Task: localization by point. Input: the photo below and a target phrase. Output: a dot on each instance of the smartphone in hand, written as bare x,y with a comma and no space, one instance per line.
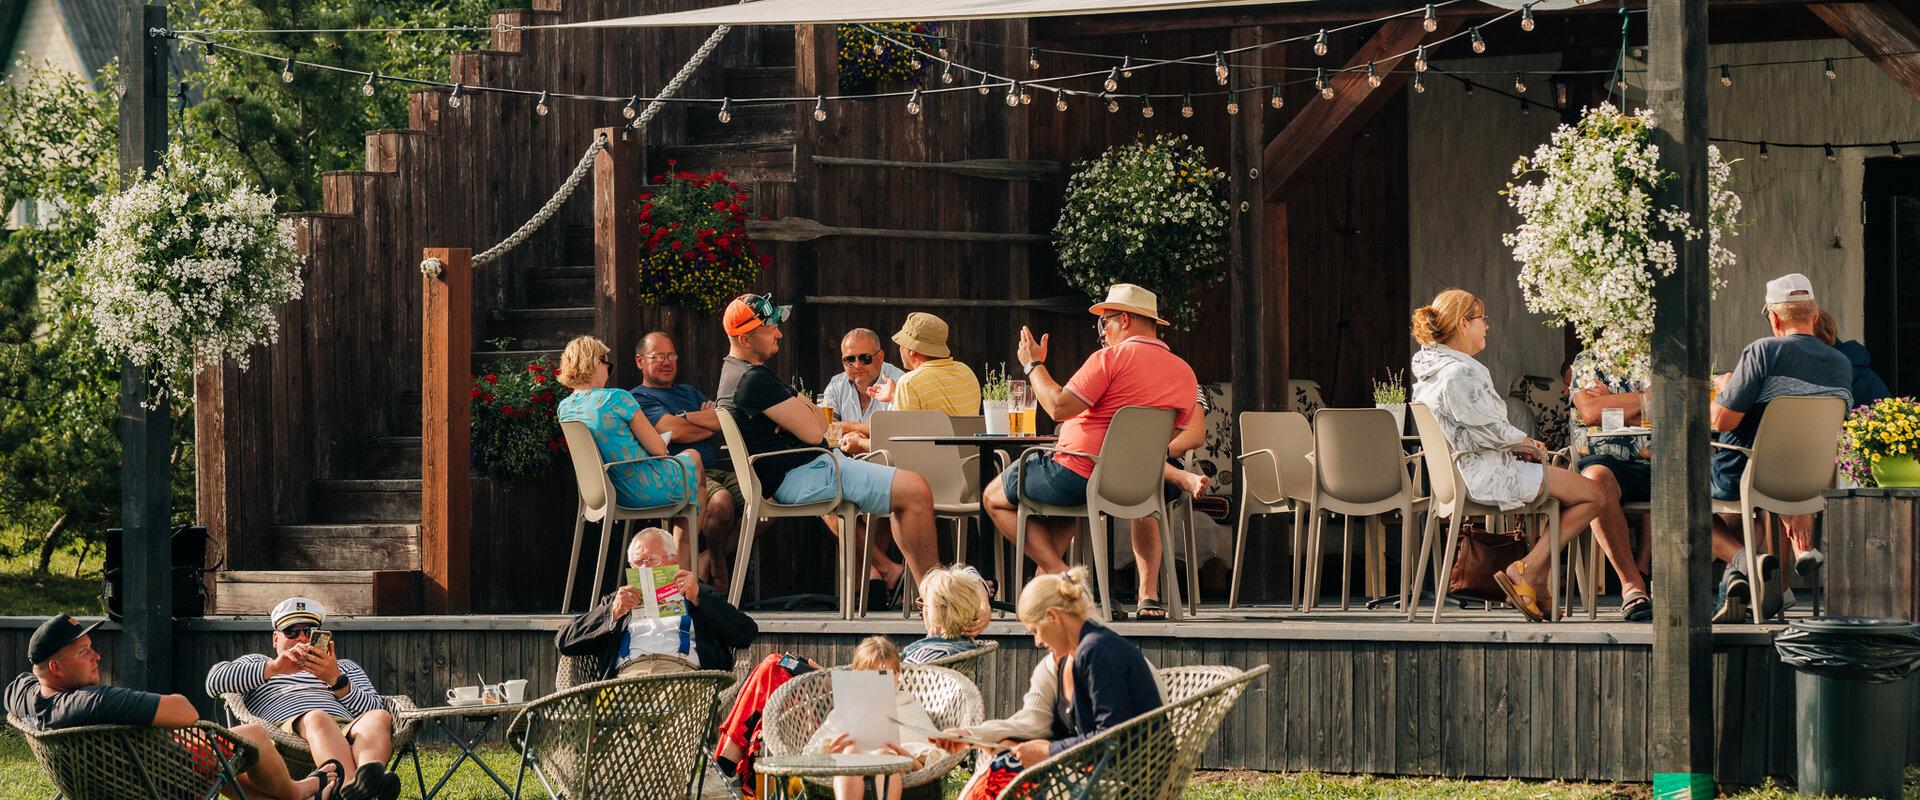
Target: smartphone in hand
322,640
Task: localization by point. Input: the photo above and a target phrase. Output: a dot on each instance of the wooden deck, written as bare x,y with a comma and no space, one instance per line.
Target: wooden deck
1484,694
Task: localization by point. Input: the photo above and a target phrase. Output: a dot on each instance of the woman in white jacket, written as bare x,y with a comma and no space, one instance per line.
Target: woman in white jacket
1501,465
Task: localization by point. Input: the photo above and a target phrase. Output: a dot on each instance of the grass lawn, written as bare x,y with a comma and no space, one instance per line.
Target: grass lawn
21,779
22,594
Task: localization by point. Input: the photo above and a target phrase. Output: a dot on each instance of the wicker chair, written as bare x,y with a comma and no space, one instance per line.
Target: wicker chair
622,739
1180,683
800,705
115,762
967,663
1150,757
293,747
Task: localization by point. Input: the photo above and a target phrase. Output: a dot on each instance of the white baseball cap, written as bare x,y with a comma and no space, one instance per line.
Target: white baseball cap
1788,288
299,609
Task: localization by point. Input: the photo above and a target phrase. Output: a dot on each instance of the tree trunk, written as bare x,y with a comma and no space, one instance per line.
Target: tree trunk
81,562
47,546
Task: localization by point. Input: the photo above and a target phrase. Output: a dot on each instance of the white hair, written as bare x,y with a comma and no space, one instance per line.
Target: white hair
665,537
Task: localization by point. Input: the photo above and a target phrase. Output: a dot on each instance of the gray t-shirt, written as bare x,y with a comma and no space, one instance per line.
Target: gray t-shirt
1795,365
92,705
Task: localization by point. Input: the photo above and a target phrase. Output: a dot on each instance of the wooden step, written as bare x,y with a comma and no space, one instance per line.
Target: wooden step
743,162
748,123
760,82
560,287
365,500
343,592
390,456
541,328
347,547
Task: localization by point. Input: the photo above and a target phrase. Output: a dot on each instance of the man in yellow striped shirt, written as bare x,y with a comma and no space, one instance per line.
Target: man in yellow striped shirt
934,381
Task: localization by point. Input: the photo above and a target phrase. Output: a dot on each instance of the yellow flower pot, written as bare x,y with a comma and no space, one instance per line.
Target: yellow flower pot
1896,471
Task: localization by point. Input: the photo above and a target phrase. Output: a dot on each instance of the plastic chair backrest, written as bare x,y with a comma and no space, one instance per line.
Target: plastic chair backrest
938,464
1437,453
1357,454
968,424
1290,437
737,449
1129,472
1795,447
588,470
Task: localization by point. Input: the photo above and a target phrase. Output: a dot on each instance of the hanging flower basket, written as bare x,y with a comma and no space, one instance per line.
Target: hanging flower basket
1589,243
515,433
695,252
867,60
186,270
1150,213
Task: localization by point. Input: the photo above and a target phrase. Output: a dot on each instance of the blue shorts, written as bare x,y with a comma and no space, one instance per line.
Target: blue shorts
867,484
1044,481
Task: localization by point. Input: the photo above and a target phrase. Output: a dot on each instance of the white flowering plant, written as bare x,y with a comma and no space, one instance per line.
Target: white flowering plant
1590,244
1151,213
186,269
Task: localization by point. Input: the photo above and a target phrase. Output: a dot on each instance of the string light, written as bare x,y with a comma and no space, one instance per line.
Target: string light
1113,104
1126,66
1059,101
1033,59
1431,22
1026,96
540,106
984,88
915,63
1831,73
1764,154
726,110
913,102
1275,100
1420,59
819,109
1418,87
212,56
1520,82
1830,153
1233,103
1894,150
1013,94
1220,67
1526,18
1321,85
879,46
1479,44
1373,76
1113,80
1186,107
1320,43
943,49
946,73
454,101
1726,76
1469,88
1146,107
633,107
286,70
366,89
1526,108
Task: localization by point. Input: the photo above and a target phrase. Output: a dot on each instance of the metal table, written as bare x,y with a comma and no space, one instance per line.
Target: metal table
780,777
450,720
988,467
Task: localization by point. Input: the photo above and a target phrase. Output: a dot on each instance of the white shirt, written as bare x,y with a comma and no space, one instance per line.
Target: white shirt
657,636
844,398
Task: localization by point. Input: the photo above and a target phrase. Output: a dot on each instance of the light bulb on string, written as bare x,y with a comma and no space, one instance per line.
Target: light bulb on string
454,100
1113,80
1893,149
1126,66
983,87
1275,100
1520,82
632,110
1059,101
286,70
1026,96
1320,83
1220,67
943,48
212,56
1526,18
1418,87
1013,94
915,63
819,109
1831,73
1726,76
1320,43
913,102
1146,107
946,73
1420,59
1033,59
1373,76
1430,22
1831,156
1479,44
1526,108
1233,103
879,46
366,89
1113,104
1469,85
1186,107
540,106
726,110
1765,155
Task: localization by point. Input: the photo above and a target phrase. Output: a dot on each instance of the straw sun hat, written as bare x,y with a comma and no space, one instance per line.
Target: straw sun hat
1130,298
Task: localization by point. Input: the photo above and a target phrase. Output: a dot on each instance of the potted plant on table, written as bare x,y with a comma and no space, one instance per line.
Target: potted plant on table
996,396
1391,395
1884,439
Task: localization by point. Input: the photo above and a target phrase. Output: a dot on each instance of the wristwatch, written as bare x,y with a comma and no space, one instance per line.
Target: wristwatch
339,684
1032,365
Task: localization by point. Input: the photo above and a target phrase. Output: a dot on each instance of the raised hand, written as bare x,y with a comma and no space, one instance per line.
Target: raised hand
1029,350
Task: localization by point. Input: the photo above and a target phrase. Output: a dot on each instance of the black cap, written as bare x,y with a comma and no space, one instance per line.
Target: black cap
54,634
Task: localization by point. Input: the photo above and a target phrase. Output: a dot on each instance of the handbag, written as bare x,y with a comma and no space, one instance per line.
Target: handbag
1479,555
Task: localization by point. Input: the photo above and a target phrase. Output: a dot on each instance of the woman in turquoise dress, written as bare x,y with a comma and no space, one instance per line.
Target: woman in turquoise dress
623,433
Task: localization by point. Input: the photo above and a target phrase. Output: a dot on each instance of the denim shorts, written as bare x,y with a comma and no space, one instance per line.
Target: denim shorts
1044,481
867,484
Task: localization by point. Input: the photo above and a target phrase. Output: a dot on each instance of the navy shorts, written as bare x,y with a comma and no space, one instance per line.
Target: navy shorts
1635,475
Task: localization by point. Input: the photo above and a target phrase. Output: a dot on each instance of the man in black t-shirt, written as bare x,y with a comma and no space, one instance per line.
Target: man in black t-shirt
64,691
772,418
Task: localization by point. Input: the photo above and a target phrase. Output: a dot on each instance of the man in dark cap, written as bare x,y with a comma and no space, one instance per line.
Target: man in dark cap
64,691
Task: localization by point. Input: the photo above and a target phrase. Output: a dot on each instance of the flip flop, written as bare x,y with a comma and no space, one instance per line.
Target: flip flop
1637,608
1150,610
328,778
1520,594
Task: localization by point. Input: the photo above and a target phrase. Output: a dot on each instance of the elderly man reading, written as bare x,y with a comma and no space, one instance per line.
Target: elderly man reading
311,693
628,644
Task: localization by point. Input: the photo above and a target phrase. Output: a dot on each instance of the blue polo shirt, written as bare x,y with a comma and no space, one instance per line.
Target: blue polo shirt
681,399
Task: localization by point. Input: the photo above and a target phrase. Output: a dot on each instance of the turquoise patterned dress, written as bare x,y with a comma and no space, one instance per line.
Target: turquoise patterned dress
608,413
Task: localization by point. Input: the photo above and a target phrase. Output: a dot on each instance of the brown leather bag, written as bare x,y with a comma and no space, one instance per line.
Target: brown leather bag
1481,553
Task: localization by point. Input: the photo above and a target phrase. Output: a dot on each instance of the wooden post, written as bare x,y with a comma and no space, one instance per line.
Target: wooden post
146,476
616,250
446,430
1682,726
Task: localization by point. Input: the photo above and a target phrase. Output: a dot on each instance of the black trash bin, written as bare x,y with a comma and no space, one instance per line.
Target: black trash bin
1852,702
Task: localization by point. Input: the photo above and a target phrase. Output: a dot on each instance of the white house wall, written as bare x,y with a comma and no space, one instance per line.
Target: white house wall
43,38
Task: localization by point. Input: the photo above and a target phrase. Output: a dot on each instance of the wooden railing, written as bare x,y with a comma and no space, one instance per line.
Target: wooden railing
446,429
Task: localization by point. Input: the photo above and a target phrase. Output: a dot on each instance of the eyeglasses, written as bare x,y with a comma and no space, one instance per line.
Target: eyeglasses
864,358
603,360
1100,326
298,631
652,561
663,357
1477,316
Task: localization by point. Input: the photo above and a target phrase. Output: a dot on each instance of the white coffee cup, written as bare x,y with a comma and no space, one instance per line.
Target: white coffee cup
515,690
463,694
1613,419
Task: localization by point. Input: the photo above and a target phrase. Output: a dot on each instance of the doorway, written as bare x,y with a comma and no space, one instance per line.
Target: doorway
1891,204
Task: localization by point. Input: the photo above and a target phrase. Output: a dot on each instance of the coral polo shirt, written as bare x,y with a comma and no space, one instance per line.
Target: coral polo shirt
1141,371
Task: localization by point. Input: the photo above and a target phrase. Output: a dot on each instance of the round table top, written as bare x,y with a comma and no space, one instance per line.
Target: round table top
1597,432
475,710
833,765
963,440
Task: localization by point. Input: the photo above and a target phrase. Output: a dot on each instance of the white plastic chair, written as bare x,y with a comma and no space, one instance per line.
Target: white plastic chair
955,498
1359,469
1277,478
599,503
1790,462
761,507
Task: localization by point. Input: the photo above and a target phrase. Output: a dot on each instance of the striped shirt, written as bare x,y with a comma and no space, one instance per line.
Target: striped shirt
284,697
942,385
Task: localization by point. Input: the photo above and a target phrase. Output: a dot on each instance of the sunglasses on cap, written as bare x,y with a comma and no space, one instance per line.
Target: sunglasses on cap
863,358
298,631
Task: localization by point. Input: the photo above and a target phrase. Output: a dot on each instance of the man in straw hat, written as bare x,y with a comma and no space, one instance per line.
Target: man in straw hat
1134,368
934,382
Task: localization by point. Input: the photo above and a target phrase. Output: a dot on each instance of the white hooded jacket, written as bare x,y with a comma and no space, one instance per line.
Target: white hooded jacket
1460,391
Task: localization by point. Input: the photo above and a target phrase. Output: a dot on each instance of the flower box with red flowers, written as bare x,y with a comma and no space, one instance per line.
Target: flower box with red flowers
695,251
515,434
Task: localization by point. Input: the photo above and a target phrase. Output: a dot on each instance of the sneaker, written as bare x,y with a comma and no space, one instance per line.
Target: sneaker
1730,604
1787,599
1809,562
1771,603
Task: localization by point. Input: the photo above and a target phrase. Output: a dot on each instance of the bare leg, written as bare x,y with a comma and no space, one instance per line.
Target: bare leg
1188,482
1726,539
1799,529
1146,555
372,738
718,529
1046,542
846,788
913,513
1610,528
1580,501
328,743
269,778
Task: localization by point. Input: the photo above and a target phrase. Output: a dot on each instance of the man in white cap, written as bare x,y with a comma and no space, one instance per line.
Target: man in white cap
310,693
1135,368
1793,362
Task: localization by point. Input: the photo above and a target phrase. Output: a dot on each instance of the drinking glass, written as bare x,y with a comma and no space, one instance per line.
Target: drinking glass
1613,419
1019,393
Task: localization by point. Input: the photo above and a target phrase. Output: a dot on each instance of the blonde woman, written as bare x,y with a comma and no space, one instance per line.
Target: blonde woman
1501,465
1101,678
623,434
879,653
953,604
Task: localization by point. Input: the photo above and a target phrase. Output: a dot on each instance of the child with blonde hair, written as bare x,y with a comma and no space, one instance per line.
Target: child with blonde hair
879,653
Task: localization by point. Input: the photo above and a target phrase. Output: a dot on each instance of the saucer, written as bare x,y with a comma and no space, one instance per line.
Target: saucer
459,703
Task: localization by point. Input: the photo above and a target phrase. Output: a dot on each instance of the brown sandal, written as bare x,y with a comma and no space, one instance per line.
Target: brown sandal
1520,594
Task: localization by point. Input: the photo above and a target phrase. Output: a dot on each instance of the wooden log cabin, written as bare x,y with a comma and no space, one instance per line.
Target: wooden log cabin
1346,212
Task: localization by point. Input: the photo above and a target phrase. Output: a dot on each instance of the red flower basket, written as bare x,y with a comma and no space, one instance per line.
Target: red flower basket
695,252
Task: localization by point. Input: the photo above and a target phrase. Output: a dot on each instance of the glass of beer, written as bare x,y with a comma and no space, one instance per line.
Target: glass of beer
1028,425
826,414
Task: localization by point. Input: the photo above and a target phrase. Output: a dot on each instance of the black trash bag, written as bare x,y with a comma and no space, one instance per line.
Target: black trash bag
1860,655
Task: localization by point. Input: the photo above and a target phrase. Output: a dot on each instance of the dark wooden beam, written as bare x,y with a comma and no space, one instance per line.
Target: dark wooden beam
616,247
1681,731
1884,32
146,424
1354,102
797,229
1006,169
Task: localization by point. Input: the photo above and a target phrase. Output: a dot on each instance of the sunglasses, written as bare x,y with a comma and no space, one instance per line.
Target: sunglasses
298,631
864,358
664,357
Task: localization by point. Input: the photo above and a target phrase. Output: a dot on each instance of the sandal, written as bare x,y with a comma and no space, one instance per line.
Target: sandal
1520,594
328,778
1637,607
1150,610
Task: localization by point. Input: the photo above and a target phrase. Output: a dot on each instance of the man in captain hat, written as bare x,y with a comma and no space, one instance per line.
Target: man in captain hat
310,693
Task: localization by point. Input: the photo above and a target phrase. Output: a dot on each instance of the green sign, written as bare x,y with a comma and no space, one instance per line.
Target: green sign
1682,786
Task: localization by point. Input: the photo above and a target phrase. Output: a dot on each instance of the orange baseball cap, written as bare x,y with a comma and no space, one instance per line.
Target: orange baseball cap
750,311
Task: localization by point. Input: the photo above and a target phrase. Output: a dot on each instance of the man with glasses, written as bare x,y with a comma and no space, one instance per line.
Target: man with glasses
863,364
308,692
934,381
628,644
687,413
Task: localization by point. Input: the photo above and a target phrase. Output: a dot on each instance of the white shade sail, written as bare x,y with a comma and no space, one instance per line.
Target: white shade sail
811,12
